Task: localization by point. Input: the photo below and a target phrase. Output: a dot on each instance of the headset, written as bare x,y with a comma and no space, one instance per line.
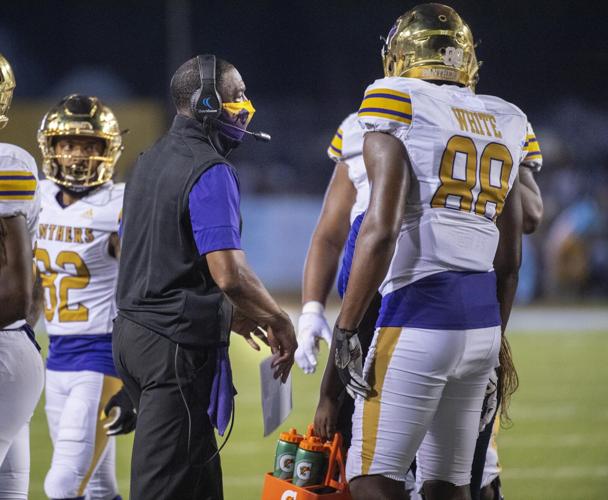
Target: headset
206,102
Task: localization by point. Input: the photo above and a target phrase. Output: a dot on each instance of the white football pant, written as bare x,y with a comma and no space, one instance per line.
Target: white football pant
83,455
427,391
21,381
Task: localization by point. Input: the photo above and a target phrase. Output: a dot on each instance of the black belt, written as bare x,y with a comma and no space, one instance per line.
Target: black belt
29,331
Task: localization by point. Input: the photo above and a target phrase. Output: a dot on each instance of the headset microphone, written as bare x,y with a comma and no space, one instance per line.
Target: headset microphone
258,136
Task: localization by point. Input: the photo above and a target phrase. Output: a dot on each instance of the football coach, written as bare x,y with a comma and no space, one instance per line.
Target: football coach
184,284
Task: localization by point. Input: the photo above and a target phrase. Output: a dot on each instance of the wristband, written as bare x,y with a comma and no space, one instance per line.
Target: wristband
312,306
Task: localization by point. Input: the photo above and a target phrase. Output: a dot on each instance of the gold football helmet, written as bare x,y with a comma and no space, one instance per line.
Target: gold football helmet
7,85
80,117
431,42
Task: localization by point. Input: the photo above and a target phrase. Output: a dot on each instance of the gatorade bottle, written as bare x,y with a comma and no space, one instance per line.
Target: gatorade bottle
285,456
310,462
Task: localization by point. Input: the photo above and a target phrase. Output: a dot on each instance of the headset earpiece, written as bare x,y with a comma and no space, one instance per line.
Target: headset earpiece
206,101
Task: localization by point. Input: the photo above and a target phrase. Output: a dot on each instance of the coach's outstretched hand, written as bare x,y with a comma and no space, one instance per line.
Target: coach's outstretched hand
248,329
348,359
121,413
283,344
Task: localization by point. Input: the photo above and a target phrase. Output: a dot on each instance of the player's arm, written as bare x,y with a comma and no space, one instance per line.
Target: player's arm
114,246
231,272
16,279
508,254
387,167
532,202
321,266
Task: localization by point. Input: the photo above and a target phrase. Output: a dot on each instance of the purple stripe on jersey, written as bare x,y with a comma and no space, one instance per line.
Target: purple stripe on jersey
214,210
69,353
17,193
335,149
387,96
444,301
386,111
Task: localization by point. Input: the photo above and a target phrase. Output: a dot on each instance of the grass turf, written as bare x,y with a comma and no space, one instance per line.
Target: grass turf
557,447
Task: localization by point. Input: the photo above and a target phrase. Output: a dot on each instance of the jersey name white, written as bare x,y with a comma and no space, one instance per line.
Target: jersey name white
78,273
463,149
19,191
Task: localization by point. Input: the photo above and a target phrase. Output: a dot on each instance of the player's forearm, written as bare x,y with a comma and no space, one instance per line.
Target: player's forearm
331,386
373,253
320,269
506,289
531,200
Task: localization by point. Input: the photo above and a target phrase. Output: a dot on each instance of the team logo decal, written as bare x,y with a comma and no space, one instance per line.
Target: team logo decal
304,470
286,463
453,57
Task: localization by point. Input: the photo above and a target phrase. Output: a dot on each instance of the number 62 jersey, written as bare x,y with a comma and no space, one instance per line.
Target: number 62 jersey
78,273
464,150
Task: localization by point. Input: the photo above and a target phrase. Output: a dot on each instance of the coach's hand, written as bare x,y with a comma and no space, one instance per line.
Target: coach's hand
283,344
248,329
121,413
312,326
348,359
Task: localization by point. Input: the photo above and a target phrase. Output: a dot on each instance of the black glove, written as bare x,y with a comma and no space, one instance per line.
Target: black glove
121,413
348,359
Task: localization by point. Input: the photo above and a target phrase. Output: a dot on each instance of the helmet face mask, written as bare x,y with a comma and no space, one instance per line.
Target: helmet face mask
80,142
431,42
7,85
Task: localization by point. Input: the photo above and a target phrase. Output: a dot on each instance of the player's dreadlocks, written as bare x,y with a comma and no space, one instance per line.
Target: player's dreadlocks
508,381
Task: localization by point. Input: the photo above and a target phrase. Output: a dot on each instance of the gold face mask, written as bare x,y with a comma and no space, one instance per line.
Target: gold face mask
239,113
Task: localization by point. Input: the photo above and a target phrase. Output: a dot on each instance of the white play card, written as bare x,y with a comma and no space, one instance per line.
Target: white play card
276,397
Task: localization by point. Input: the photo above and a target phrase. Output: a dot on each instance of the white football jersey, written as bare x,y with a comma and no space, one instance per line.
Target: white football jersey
78,274
533,158
462,149
19,191
347,146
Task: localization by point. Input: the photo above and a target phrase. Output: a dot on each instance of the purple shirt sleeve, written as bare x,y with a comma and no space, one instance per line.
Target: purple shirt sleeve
214,210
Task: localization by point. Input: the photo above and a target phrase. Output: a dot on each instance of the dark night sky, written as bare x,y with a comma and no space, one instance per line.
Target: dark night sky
305,63
532,51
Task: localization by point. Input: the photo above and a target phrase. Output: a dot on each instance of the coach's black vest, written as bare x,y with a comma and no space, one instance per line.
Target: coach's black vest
163,282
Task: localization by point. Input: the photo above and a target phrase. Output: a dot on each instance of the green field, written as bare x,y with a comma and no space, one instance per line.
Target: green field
556,449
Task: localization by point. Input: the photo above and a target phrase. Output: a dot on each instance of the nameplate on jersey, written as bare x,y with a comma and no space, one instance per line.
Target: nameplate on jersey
67,234
477,122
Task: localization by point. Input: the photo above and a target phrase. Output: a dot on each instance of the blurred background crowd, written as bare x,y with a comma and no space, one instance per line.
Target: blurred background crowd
306,65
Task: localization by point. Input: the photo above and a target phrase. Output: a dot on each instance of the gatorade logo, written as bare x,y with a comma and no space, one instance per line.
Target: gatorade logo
289,495
286,462
303,470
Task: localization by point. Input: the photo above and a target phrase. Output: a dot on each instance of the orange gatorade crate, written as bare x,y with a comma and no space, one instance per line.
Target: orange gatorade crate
330,489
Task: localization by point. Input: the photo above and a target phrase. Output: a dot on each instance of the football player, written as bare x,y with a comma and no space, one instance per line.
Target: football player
440,160
77,256
21,369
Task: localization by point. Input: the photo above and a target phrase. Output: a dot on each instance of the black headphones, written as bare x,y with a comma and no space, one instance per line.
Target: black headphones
206,101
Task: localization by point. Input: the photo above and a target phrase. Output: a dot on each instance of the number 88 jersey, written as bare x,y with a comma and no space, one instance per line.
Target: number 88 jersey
78,273
464,151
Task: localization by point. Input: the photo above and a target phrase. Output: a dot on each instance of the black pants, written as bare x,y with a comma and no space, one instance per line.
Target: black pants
174,439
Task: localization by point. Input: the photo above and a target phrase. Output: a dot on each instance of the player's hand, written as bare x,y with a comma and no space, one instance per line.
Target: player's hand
121,413
489,401
348,359
248,329
312,326
326,417
283,344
